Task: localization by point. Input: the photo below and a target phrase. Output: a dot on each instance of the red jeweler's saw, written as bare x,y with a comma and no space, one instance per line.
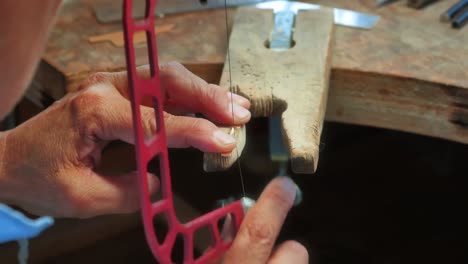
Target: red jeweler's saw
157,147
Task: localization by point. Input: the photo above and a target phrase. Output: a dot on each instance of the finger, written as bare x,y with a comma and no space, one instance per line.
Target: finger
289,252
227,233
261,225
183,88
184,131
119,80
116,80
109,115
98,195
115,122
185,92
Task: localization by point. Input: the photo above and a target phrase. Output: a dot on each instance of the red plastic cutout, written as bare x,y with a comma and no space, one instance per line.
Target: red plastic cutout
142,88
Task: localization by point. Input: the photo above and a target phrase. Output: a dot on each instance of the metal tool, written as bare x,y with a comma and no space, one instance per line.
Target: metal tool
278,152
107,11
460,19
448,15
157,147
456,14
285,11
419,3
167,7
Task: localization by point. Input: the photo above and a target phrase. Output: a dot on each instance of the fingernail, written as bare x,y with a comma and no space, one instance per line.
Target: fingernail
290,186
240,100
239,111
227,154
223,138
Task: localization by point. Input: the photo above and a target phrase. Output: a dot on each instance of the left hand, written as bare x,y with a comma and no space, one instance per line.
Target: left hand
50,160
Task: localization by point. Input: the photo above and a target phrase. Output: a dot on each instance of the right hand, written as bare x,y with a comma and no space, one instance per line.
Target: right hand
254,242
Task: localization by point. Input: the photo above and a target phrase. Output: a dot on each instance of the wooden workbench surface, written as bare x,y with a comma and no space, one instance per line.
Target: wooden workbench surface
410,72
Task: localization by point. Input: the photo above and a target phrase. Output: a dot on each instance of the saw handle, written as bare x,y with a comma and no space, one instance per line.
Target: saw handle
140,88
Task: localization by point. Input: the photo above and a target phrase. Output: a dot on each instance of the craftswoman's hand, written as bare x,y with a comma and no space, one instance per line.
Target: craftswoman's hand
49,161
255,240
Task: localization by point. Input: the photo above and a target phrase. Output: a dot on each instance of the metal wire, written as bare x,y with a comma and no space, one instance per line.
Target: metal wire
231,89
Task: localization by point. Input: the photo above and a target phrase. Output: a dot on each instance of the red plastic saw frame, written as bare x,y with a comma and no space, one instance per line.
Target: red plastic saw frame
157,147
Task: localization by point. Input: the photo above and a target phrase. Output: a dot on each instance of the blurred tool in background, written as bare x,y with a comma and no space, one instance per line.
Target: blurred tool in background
107,12
418,4
457,14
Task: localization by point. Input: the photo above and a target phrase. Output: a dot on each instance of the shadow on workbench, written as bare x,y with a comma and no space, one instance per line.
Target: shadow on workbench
378,197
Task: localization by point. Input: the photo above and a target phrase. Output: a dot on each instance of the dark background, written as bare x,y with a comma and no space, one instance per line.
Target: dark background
378,196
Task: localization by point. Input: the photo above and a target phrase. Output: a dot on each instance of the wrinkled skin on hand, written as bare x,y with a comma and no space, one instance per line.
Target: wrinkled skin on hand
49,162
47,165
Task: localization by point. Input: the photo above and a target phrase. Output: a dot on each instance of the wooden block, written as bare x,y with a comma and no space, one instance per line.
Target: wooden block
291,83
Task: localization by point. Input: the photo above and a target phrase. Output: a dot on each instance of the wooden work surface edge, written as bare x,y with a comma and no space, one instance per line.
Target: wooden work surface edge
403,104
368,98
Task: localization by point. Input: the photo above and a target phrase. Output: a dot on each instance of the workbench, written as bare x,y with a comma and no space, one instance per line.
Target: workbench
408,73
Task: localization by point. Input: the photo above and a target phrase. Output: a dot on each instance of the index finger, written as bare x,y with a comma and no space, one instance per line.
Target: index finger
262,224
185,92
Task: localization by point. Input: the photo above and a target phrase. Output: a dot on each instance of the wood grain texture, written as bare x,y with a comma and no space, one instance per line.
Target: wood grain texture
292,83
191,42
408,50
117,38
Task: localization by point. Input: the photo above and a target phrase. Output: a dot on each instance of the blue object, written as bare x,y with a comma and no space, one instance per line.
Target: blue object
15,225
